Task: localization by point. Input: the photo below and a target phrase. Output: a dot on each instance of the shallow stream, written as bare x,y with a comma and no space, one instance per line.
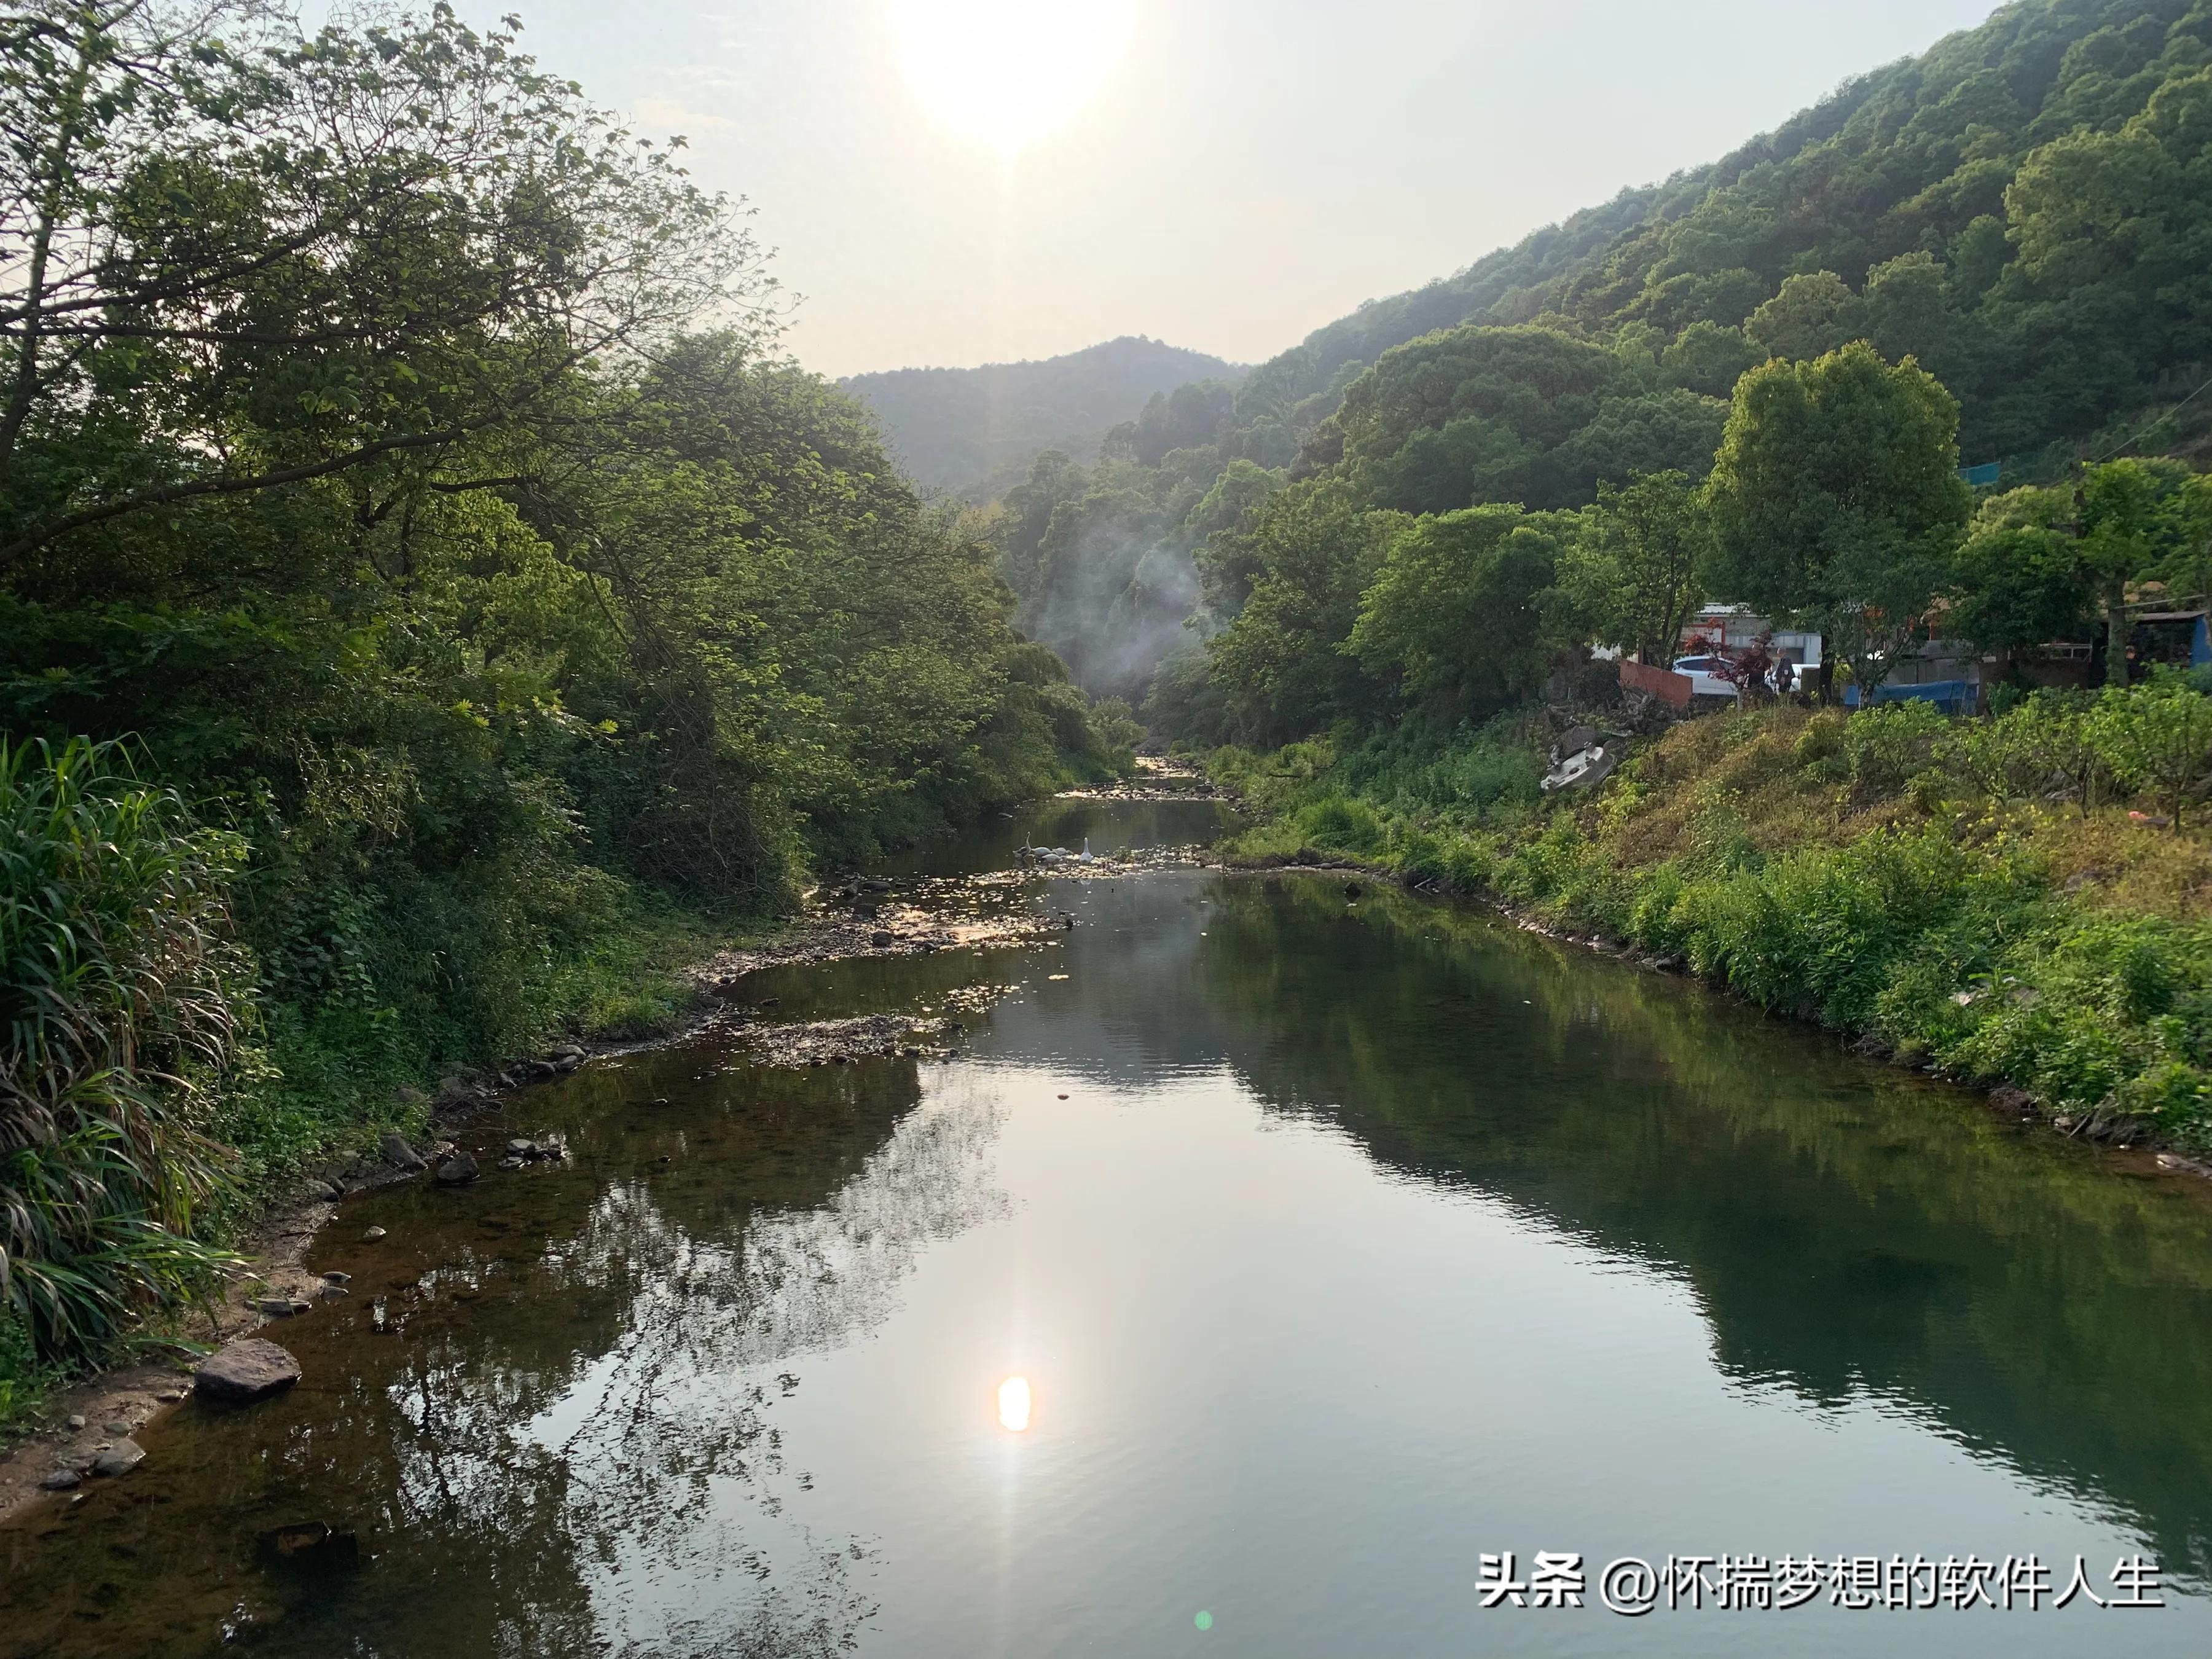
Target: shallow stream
1333,1244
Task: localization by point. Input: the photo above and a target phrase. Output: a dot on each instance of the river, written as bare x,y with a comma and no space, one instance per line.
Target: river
1262,1259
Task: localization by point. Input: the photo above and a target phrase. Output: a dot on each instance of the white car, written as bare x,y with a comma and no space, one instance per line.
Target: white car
1706,677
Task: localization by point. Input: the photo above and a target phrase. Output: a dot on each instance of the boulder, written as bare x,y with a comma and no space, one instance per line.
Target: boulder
249,1369
882,940
61,1480
458,1170
119,1459
397,1153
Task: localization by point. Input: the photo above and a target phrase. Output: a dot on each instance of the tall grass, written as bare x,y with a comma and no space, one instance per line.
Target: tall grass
121,1001
1977,893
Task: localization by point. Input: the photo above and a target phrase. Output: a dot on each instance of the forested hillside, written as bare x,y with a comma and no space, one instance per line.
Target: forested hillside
2022,209
425,588
958,428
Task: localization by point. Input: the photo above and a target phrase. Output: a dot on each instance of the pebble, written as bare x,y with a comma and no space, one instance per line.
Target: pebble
76,1420
371,1234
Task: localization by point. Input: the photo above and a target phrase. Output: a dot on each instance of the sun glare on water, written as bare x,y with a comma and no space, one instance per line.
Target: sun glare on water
1014,1405
1008,72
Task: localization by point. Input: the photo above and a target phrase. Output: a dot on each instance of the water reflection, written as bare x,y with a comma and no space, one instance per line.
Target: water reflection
1354,1238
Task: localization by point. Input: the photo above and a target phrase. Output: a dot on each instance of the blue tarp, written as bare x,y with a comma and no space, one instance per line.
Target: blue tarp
1987,473
1952,696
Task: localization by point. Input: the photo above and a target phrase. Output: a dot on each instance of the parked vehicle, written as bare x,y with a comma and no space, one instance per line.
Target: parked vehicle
1706,676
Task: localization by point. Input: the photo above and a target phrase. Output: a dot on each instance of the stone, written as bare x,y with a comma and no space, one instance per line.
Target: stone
511,1162
119,1426
276,1306
566,1050
458,1170
249,1369
76,1420
371,1234
397,1153
522,1148
61,1480
882,940
169,1396
338,1279
119,1459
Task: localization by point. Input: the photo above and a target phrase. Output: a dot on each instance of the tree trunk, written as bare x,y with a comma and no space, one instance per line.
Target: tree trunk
2116,637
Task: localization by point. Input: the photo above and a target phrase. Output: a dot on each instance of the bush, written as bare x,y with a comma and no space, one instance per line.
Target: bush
124,1002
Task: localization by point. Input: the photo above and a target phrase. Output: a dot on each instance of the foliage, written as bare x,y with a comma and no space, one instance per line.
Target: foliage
1637,572
1836,496
372,470
124,1001
2017,211
1963,895
1455,613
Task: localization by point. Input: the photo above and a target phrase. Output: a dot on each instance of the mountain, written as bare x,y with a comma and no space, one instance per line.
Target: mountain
2025,208
954,427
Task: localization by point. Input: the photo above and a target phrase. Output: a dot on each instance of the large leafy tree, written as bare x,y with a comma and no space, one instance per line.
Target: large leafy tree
1836,498
232,258
1457,615
2128,524
1637,570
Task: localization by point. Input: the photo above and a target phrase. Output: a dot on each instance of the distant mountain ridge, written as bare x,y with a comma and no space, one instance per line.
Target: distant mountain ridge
956,428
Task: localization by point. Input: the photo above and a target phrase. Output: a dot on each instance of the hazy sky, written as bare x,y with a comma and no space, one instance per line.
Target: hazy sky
1242,171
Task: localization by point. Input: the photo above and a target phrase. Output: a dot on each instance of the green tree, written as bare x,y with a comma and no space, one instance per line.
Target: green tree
1279,665
1636,571
2015,586
250,260
1836,498
2128,525
1457,615
2157,737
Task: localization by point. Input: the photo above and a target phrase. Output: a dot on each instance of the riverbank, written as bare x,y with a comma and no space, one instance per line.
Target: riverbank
1886,876
688,982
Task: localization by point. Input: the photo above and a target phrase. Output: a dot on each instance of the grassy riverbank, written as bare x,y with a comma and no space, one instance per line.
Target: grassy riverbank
1998,900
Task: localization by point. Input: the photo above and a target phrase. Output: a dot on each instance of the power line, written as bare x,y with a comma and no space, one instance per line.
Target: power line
2154,425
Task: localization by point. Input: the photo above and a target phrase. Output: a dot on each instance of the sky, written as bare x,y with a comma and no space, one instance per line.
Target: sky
952,182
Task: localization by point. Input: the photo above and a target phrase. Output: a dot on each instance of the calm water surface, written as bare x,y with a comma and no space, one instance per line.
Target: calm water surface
1367,1238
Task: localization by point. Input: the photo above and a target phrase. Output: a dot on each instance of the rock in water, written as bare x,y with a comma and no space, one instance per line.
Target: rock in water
458,1170
397,1153
61,1480
119,1459
251,1368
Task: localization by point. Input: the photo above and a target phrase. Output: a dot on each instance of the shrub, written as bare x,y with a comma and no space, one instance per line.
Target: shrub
124,1000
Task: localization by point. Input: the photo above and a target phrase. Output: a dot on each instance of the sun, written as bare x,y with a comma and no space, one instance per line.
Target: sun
1008,72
